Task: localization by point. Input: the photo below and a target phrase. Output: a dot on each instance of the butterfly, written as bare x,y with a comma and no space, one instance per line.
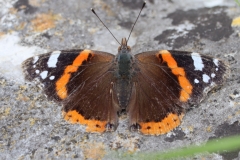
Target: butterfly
153,88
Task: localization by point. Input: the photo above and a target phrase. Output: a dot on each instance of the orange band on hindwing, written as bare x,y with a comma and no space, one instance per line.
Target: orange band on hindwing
170,122
92,125
61,87
179,72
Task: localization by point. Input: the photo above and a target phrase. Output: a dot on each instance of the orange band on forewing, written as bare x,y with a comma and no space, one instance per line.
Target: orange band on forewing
92,125
167,57
179,72
167,124
61,87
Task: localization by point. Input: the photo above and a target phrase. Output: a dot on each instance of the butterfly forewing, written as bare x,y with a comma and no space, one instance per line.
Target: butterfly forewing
203,72
48,68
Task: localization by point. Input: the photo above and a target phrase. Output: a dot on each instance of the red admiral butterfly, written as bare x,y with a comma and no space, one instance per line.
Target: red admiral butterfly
154,88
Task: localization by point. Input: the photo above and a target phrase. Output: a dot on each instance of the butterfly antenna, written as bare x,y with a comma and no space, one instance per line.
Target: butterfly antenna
104,24
144,3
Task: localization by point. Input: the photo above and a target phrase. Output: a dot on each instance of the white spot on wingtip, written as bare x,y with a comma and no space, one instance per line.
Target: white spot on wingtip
196,81
44,74
51,77
216,69
206,78
37,71
52,61
197,61
215,61
35,59
213,75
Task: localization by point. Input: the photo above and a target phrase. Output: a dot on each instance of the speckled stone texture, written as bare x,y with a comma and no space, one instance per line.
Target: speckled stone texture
31,127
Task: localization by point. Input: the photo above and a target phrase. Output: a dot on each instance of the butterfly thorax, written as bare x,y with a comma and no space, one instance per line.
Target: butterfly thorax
124,62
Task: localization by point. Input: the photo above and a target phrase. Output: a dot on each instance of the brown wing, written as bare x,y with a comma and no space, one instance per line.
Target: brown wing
164,86
83,81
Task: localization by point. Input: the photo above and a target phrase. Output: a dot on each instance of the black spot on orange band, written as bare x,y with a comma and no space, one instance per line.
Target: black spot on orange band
92,125
170,122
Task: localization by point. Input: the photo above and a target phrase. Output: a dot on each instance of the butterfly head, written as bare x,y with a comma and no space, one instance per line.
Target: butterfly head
124,47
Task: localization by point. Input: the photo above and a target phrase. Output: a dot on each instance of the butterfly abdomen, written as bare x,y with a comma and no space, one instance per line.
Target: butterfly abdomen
124,78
